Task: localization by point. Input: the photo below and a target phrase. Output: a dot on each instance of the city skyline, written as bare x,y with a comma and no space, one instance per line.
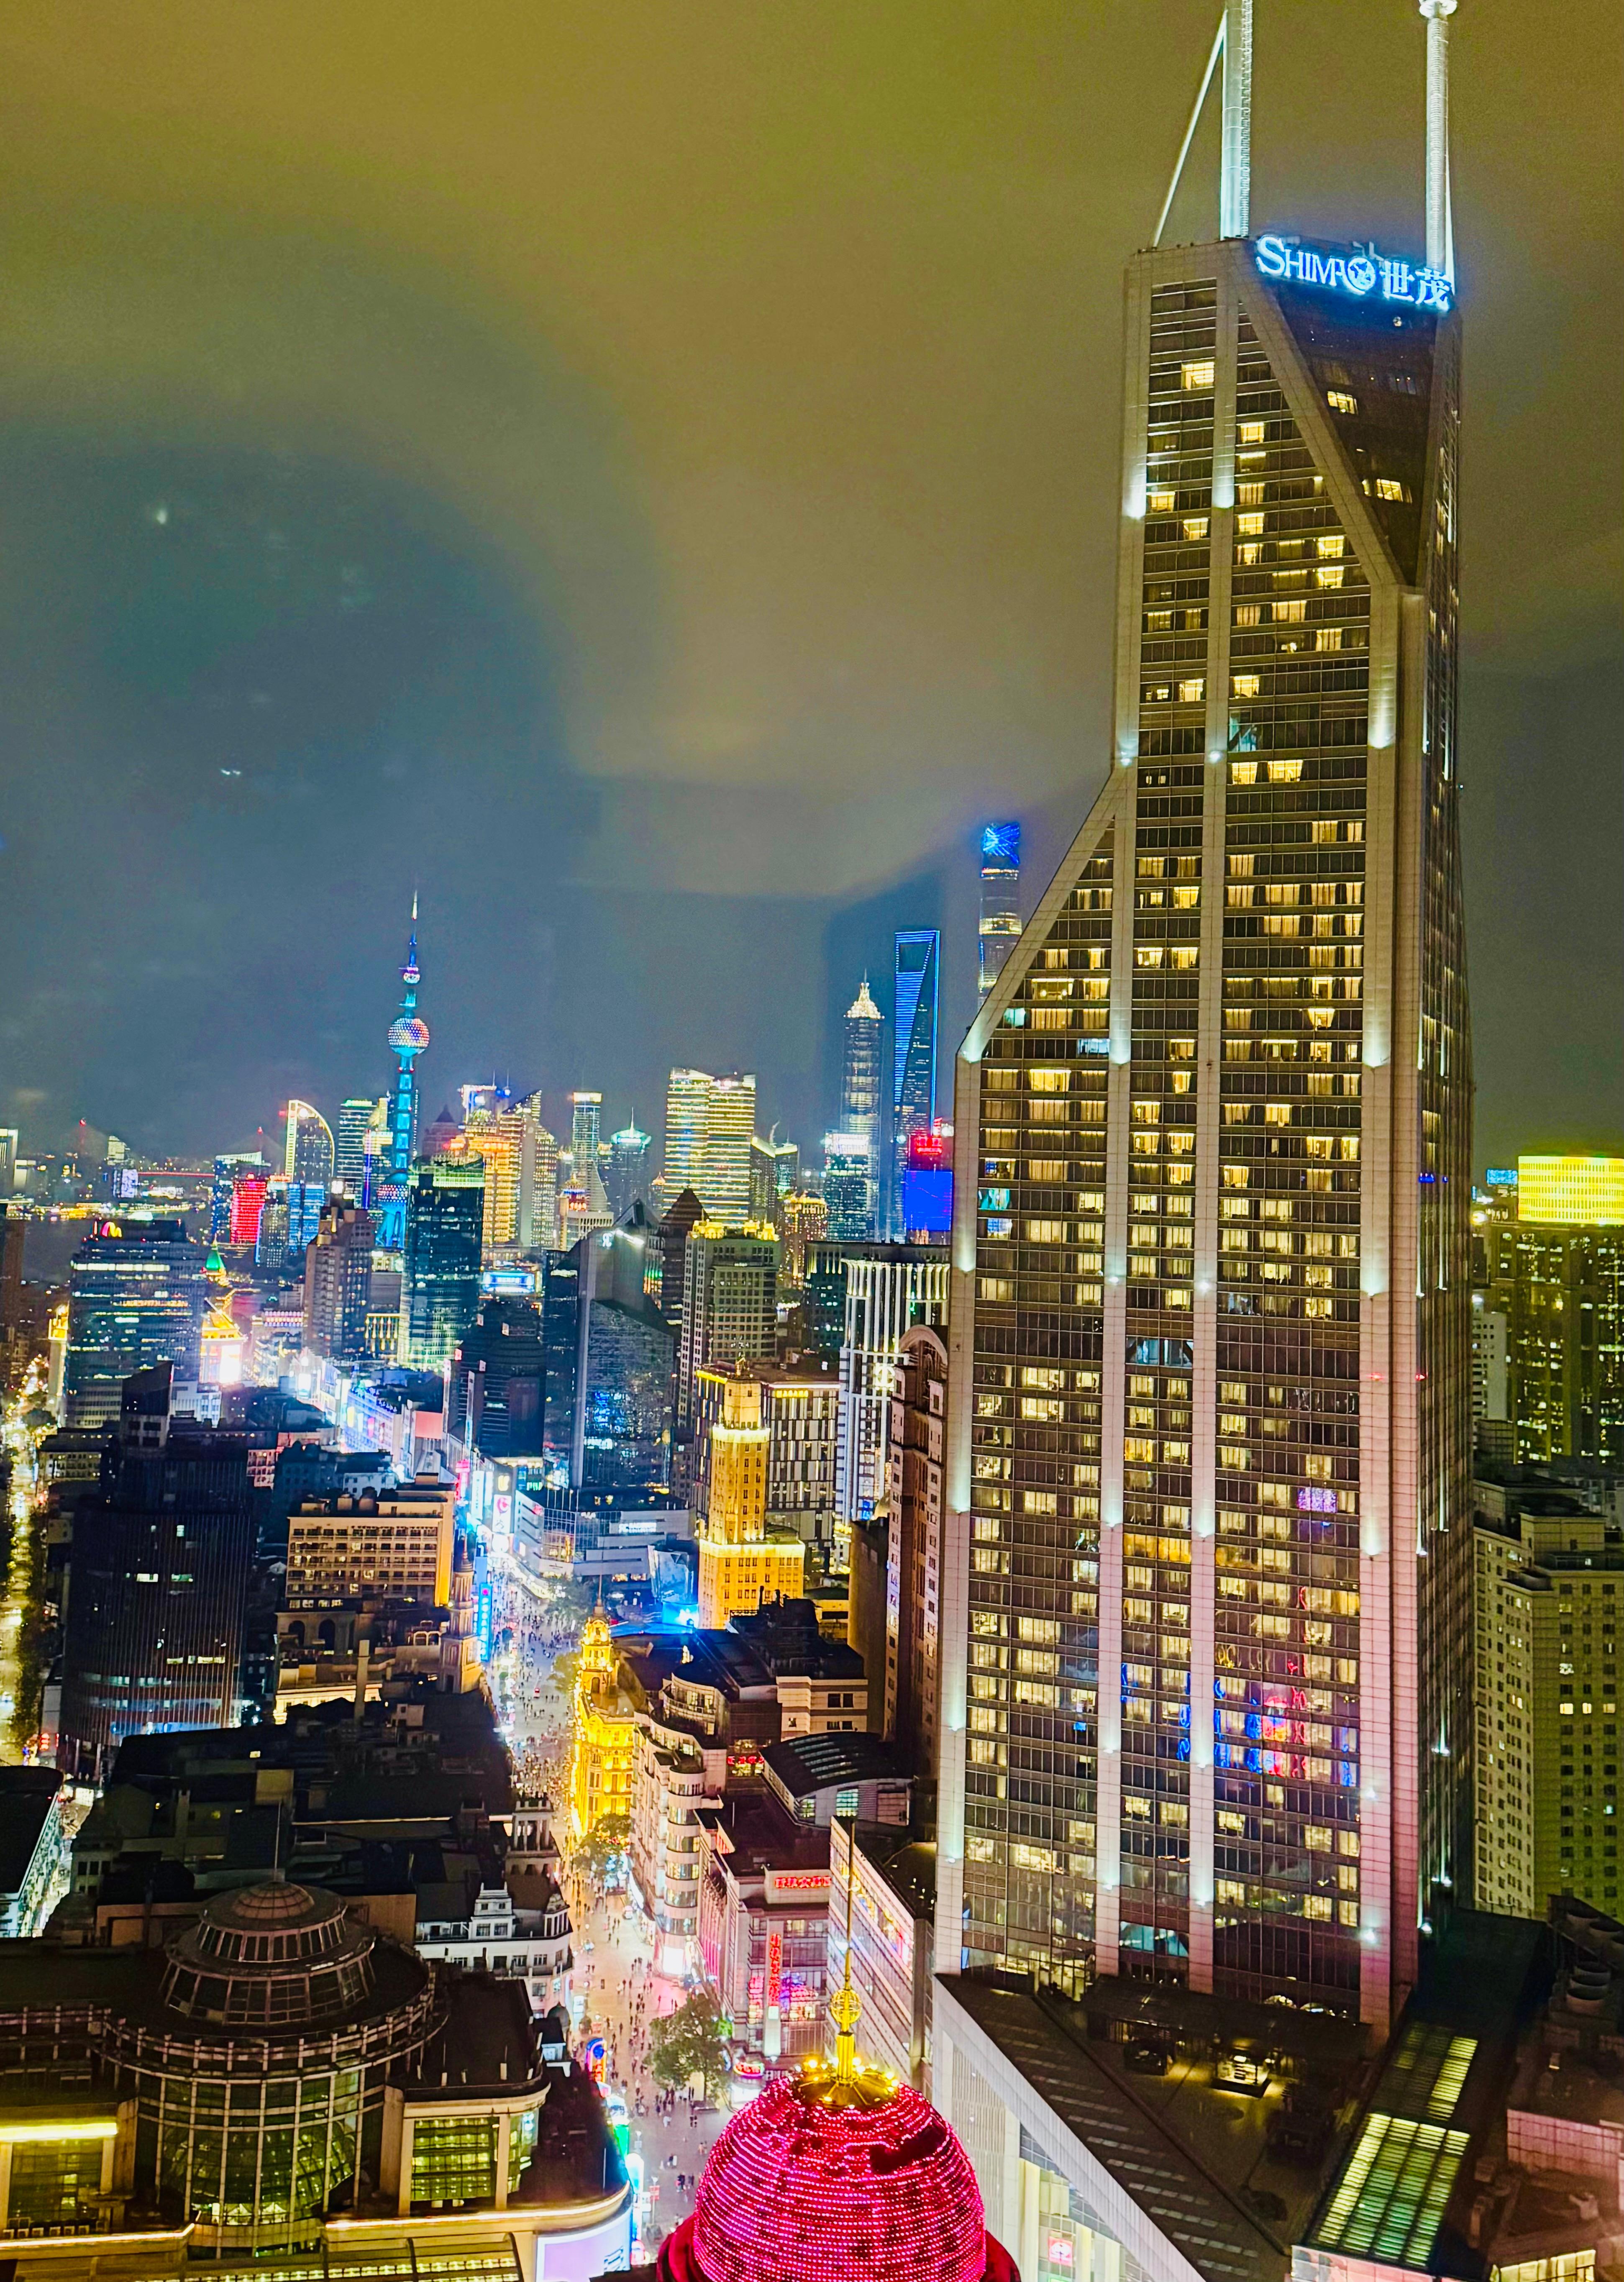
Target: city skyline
427,663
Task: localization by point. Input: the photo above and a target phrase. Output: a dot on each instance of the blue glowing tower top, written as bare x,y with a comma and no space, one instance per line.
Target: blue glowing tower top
408,1035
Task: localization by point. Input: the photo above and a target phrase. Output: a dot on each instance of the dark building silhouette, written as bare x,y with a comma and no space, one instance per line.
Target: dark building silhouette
444,1235
668,1247
494,1403
609,1360
158,1583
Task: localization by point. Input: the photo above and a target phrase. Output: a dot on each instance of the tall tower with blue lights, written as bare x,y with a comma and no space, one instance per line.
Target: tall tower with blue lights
408,1036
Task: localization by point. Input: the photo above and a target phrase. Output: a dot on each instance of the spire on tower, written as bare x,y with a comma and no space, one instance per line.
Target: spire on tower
1235,166
1234,43
1440,220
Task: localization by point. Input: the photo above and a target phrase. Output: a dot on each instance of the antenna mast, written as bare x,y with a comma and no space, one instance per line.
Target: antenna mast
1440,219
1235,170
1234,43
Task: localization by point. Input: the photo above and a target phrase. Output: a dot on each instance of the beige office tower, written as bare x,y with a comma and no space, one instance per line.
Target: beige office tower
1206,1708
710,1125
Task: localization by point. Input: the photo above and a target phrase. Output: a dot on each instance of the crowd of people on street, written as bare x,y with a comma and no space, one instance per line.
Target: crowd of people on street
617,1995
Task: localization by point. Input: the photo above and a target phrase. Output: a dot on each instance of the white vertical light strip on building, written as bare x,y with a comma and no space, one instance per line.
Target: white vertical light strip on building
1440,220
1208,1082
1235,166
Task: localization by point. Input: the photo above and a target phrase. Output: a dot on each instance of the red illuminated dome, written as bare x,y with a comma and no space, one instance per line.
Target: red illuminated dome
807,2187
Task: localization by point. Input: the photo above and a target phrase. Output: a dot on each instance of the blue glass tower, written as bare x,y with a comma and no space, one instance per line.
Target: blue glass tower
408,1035
913,1076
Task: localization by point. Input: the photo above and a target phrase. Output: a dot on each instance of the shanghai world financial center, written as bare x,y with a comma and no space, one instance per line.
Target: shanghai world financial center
1209,1449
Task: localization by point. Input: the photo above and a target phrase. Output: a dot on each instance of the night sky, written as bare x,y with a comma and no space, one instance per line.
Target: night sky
645,477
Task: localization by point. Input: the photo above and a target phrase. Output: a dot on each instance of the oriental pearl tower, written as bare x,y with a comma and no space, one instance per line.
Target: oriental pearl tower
840,2174
408,1035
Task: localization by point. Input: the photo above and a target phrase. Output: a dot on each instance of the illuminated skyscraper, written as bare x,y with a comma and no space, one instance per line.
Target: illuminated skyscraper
586,1116
1548,1315
440,1291
861,1079
357,1117
338,1280
307,1150
709,1123
1208,1441
226,1169
740,1563
630,1168
248,1192
137,1298
913,1050
1001,899
408,1036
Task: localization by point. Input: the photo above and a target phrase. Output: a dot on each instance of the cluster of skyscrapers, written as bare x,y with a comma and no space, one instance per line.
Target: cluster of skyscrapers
1223,1498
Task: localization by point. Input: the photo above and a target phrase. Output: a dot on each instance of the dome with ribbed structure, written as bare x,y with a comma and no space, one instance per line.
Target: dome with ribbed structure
271,1955
806,2186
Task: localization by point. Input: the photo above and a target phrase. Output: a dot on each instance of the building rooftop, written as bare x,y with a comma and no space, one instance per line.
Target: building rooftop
1198,2208
1406,2180
806,1764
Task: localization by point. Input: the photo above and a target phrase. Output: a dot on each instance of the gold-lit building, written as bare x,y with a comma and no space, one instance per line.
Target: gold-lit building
741,1565
1208,1424
1548,1313
1571,1191
605,1733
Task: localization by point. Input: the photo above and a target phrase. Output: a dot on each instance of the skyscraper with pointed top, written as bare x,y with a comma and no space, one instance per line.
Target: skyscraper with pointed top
408,1036
1209,1439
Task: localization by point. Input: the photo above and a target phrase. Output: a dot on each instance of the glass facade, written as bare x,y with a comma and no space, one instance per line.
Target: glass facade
1214,1328
135,1297
440,1289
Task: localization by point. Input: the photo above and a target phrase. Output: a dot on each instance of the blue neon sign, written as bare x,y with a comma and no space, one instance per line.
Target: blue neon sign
1364,274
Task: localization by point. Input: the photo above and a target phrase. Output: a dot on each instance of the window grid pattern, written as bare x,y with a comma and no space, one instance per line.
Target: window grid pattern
1287,1620
1032,1686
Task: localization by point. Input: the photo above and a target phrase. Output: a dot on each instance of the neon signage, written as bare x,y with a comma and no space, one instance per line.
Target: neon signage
1364,274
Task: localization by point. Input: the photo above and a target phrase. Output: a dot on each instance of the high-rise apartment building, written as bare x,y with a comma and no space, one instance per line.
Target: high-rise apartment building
913,1051
307,1148
1000,920
889,1288
709,1124
1209,1447
729,1304
1547,1602
136,1296
439,1290
338,1281
741,1564
913,1550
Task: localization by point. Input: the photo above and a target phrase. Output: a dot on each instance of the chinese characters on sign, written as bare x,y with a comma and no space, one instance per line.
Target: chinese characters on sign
1363,274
